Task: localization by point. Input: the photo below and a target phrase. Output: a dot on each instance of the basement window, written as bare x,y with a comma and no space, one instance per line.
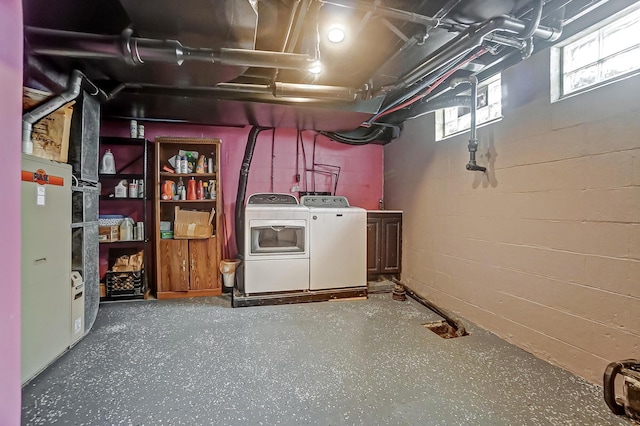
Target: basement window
602,55
457,120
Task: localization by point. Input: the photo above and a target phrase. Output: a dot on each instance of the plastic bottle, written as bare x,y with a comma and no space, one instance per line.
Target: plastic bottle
126,229
185,165
133,189
200,191
180,188
141,188
108,164
205,190
121,189
191,189
212,189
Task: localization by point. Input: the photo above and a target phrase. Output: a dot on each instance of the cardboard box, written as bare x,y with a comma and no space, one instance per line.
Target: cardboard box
108,234
190,224
50,135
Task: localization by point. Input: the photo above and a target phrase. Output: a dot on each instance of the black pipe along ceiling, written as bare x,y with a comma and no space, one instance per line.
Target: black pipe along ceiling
256,62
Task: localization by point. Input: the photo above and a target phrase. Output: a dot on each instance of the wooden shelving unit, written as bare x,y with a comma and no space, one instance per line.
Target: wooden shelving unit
187,267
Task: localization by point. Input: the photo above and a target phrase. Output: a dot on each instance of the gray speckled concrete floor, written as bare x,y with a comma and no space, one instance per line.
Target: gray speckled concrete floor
369,362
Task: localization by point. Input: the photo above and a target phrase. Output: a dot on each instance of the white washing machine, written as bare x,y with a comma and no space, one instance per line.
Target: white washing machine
338,237
276,244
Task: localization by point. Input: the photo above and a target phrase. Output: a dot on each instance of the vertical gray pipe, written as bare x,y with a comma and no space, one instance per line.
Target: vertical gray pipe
473,139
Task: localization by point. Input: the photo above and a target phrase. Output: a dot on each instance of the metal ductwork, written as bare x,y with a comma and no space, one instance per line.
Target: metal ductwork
295,90
137,51
28,119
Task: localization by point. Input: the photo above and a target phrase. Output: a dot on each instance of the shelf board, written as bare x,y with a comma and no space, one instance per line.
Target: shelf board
121,176
108,198
124,242
189,201
212,175
111,140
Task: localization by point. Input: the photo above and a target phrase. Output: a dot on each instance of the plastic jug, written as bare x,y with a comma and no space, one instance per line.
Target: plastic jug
108,164
121,189
126,229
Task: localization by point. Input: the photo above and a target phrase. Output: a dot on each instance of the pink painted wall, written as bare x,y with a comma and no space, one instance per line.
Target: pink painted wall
360,179
10,117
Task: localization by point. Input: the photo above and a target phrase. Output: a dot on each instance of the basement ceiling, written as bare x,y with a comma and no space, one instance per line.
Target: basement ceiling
250,62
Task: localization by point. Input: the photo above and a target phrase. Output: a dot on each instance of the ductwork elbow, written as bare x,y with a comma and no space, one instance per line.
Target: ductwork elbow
31,117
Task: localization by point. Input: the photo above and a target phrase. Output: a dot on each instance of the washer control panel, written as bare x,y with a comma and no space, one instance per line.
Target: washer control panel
272,199
331,201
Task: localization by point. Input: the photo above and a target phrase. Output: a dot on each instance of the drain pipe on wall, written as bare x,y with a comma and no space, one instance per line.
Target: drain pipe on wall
242,187
473,139
451,319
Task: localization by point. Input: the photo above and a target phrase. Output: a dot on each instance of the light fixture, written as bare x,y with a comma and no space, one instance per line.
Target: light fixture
315,68
336,34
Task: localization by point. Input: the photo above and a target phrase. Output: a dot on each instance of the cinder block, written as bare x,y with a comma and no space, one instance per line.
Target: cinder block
615,133
620,276
548,176
600,340
611,170
555,145
553,234
613,205
606,238
566,205
588,303
635,161
634,241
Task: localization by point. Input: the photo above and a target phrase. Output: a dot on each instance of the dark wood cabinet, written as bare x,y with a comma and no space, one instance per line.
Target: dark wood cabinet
384,244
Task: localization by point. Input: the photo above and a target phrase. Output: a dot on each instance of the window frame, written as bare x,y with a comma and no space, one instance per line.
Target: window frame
558,55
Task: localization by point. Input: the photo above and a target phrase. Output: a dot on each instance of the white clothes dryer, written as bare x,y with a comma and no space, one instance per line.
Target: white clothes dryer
338,243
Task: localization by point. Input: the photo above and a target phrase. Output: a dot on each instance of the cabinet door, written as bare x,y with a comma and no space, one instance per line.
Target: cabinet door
374,245
174,271
392,244
203,264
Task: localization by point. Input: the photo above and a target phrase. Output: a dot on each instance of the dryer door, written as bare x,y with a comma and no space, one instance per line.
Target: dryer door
276,239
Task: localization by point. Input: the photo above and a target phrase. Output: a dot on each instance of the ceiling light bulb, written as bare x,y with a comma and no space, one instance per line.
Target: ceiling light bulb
315,68
336,34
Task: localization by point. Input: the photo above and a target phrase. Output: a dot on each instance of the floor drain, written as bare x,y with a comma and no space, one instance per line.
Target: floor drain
442,329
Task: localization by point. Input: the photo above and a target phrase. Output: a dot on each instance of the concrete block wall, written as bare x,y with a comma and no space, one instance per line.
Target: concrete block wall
545,249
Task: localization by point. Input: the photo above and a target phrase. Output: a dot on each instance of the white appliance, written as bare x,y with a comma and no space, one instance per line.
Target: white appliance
276,244
77,306
46,263
338,237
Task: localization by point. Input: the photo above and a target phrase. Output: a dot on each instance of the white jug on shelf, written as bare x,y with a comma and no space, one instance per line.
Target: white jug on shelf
108,164
126,229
